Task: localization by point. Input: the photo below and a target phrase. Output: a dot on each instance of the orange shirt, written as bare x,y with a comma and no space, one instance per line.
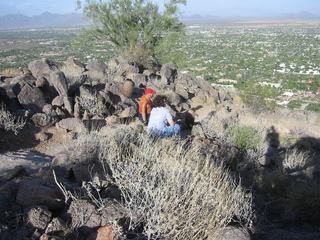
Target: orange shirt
143,99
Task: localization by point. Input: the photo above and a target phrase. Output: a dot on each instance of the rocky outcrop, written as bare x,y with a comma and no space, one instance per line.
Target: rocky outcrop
97,90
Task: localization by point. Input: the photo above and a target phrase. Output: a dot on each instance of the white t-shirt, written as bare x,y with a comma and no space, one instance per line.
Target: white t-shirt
158,119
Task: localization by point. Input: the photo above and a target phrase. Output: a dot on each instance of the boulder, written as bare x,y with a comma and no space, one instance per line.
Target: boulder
42,68
72,124
16,172
168,73
92,216
37,216
58,80
34,192
41,120
31,98
97,66
106,233
128,112
62,163
229,233
56,227
74,66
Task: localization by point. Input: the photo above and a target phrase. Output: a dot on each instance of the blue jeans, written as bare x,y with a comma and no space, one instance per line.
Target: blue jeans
141,119
168,132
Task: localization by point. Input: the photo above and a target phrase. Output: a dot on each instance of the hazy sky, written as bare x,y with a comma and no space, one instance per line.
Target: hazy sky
203,7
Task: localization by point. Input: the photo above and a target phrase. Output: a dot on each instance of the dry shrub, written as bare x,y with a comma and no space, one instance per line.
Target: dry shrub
295,159
224,127
92,106
142,54
215,126
9,122
172,190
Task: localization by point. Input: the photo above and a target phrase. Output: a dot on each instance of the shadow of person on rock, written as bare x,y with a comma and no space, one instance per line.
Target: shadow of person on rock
271,156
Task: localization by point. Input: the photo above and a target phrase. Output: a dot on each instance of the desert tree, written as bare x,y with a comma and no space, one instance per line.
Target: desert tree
136,27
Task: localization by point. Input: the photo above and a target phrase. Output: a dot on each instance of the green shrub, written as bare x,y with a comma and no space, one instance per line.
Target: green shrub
244,137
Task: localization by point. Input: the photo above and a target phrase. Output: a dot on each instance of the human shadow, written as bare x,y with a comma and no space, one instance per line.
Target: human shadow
271,156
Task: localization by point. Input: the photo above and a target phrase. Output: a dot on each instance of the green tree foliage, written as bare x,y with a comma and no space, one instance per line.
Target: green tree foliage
135,27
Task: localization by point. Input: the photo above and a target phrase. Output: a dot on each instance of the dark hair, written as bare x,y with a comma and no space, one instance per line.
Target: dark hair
159,101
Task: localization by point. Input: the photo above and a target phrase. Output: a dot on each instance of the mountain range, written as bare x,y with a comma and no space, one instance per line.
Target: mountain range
45,20
50,20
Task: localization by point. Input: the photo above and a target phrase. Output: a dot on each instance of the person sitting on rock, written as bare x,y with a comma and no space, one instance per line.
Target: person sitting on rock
161,122
145,106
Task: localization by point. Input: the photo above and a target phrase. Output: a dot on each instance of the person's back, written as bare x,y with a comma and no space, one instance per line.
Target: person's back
160,117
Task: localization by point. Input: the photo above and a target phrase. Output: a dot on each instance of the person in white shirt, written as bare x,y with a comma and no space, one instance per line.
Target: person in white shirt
161,122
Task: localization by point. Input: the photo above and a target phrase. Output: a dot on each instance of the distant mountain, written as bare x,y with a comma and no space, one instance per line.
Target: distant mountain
45,20
303,15
50,20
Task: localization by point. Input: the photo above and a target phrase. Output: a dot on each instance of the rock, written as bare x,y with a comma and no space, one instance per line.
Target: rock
58,101
42,136
128,112
42,82
41,120
74,66
113,120
88,172
106,233
68,105
168,73
313,173
12,72
138,79
33,192
229,233
97,66
31,98
37,216
183,93
16,172
56,227
62,163
58,80
42,68
72,124
92,216
126,68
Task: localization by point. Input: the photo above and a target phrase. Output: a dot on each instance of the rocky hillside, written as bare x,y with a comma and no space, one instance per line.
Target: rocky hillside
62,100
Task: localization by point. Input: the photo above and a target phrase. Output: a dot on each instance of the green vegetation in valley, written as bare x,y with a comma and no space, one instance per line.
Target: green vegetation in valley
279,58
